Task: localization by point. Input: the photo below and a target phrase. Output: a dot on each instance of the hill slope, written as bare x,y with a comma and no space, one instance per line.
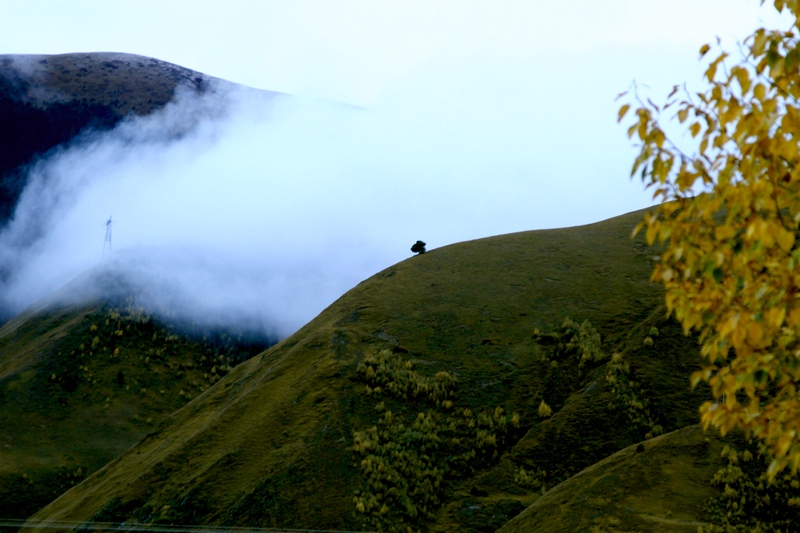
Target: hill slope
659,488
414,399
79,384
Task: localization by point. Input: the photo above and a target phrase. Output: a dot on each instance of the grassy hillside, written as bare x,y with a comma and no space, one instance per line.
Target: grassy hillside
656,488
81,384
414,400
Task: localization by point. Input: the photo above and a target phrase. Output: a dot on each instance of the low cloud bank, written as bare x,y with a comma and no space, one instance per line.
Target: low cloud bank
237,209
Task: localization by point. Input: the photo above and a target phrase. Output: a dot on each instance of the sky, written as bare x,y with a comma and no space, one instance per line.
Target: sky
476,118
359,50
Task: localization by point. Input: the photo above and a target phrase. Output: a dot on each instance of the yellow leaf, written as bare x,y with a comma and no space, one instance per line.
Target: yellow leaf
755,334
622,110
711,71
794,318
704,49
759,91
759,40
723,233
743,77
784,238
642,130
651,233
682,114
790,148
658,137
737,338
775,316
782,446
695,129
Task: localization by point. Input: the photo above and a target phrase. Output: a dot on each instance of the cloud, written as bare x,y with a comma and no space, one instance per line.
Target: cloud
241,209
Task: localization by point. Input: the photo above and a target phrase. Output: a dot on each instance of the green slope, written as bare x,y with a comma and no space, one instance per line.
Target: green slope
79,385
272,444
659,488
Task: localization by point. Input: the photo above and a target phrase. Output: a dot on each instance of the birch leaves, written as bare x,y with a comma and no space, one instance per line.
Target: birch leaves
728,225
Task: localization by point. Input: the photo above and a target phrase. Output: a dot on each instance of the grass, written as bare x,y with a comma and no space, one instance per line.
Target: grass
79,385
272,444
659,488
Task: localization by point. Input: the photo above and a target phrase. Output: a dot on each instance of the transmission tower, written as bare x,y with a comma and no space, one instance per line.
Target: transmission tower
107,241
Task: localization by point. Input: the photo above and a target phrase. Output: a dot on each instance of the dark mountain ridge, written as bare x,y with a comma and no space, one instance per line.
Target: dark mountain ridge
49,100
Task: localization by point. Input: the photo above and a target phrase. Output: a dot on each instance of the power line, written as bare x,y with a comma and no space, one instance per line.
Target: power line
154,528
107,241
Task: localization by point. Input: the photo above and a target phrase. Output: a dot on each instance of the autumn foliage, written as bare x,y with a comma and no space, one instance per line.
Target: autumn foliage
728,226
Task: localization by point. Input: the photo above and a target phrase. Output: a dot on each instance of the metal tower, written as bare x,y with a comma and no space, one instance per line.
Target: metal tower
107,241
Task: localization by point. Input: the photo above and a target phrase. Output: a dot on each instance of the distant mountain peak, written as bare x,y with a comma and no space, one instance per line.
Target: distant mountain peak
126,82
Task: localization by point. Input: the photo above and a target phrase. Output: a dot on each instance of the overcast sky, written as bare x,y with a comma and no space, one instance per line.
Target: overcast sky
559,64
357,51
482,118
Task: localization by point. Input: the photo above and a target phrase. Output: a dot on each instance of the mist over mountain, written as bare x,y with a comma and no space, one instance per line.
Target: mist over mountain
48,100
237,206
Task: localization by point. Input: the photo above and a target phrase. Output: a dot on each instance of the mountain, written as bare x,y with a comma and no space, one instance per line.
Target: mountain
521,382
81,383
420,390
660,487
49,100
68,405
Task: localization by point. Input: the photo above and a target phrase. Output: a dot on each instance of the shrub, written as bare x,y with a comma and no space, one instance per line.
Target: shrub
408,457
748,500
544,410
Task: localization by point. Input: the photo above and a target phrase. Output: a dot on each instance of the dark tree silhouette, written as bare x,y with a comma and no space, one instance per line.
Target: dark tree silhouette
418,248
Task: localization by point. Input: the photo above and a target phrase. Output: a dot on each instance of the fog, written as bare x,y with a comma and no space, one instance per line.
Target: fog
234,209
475,119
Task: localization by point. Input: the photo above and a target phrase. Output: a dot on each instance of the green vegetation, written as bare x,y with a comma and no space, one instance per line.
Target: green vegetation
271,444
630,396
396,406
658,485
410,457
749,501
80,385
